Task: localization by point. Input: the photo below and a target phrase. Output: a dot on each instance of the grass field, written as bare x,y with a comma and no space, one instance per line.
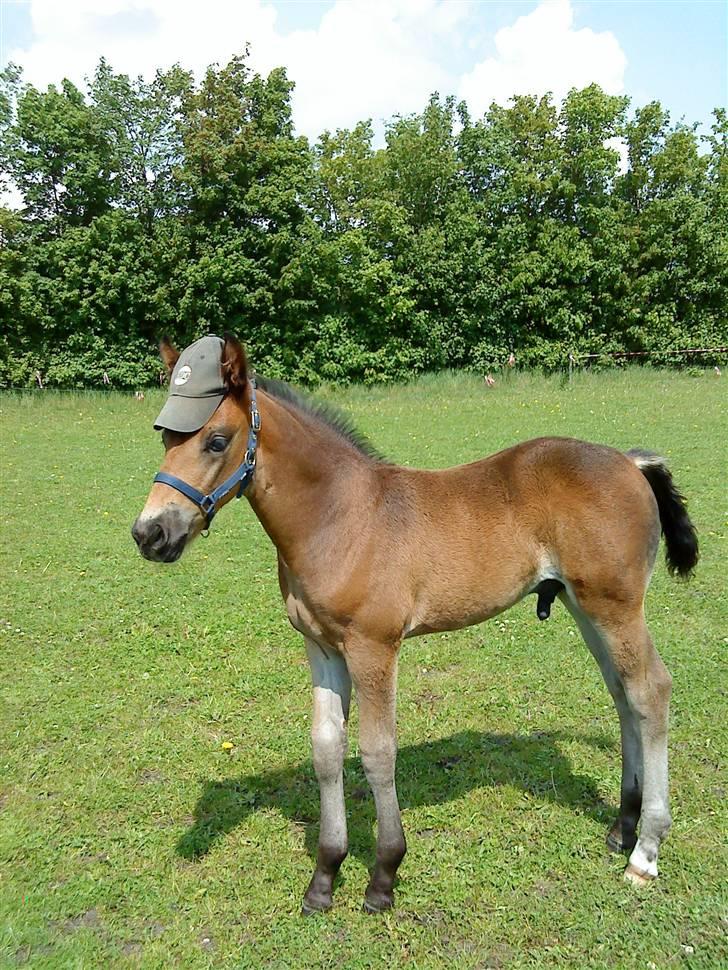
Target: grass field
129,837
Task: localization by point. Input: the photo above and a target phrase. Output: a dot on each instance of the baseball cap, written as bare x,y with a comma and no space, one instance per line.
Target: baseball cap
196,388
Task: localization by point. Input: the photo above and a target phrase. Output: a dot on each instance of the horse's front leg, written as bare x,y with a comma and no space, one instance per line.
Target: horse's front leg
374,672
331,696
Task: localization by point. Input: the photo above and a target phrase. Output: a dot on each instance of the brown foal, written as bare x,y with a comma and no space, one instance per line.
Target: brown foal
371,553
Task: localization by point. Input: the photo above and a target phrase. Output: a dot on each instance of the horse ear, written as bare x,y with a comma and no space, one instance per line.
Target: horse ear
169,354
234,365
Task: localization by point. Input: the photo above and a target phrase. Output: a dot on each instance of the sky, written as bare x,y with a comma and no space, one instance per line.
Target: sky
356,59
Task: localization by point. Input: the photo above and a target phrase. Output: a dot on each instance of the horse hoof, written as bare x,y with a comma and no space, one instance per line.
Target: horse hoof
377,904
615,842
638,877
309,907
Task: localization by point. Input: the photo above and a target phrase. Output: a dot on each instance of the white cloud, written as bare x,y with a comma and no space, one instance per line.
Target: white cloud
137,36
366,58
543,52
370,60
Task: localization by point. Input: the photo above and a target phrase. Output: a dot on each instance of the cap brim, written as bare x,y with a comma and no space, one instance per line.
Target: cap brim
187,414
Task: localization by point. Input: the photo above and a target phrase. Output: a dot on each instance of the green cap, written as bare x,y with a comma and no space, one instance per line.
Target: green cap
196,388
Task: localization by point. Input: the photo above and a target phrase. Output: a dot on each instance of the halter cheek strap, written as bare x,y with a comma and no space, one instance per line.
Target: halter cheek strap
239,479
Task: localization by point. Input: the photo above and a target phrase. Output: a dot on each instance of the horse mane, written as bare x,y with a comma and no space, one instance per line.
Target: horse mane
323,413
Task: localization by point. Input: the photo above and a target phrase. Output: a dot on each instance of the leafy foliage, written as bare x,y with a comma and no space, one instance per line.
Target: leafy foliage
182,207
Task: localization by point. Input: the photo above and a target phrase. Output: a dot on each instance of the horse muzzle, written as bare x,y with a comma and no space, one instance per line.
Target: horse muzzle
163,537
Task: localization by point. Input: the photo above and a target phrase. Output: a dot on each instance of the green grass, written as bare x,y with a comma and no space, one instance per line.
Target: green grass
128,837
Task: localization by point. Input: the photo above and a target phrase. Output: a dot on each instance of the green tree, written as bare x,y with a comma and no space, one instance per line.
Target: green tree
142,124
58,156
182,206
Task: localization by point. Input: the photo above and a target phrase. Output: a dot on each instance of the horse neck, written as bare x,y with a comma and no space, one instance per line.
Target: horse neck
305,476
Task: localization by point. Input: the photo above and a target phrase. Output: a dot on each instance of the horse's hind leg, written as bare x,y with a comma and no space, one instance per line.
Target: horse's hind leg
331,696
640,685
648,692
623,834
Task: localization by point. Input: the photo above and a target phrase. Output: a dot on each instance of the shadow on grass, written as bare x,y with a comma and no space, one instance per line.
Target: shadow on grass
430,773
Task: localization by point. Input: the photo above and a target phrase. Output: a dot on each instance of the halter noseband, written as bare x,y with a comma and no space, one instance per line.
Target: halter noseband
241,477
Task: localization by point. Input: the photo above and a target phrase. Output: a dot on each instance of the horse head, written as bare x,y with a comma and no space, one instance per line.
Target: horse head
209,426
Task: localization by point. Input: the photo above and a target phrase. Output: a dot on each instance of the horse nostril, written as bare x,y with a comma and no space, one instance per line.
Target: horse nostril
149,534
156,536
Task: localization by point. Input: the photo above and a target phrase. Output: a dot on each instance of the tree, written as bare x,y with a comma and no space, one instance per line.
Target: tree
143,124
188,207
59,157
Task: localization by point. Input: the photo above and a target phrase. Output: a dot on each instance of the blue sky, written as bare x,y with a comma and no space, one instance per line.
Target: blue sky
351,59
677,52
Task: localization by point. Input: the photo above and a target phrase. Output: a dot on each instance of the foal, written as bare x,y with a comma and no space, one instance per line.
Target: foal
371,553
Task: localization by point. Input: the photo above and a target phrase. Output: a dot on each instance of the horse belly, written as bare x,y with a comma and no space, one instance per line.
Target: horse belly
456,601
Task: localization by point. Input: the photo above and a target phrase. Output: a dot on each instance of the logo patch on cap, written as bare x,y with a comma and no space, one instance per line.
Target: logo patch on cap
184,375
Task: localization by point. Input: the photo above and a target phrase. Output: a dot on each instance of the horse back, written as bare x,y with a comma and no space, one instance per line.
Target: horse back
474,539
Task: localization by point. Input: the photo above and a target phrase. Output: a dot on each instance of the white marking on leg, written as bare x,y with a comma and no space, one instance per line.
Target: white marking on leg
643,716
331,698
632,769
639,862
650,702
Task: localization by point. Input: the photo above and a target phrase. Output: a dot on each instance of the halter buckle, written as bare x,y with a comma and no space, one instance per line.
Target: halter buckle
255,419
207,504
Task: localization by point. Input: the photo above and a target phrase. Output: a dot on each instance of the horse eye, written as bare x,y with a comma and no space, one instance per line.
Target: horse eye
217,444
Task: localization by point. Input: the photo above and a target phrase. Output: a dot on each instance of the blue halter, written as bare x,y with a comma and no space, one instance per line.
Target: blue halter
241,477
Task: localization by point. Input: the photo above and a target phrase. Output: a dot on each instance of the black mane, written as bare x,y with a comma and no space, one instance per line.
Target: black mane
326,414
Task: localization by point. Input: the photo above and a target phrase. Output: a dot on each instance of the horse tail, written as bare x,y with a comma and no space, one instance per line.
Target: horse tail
681,538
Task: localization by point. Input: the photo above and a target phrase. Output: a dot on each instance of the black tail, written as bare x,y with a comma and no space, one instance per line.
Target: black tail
681,538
